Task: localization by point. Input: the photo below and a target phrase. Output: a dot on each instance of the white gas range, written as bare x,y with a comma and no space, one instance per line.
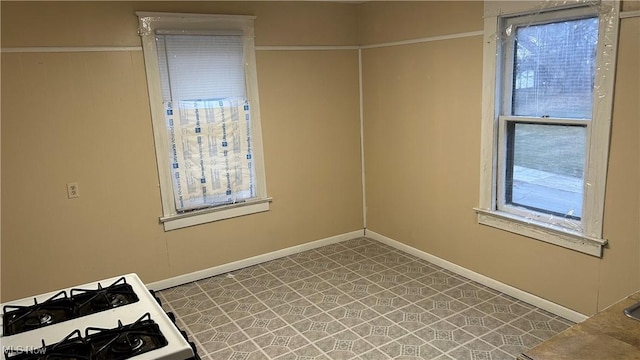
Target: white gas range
112,319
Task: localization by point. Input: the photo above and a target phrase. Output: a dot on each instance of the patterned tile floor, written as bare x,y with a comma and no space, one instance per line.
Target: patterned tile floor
358,299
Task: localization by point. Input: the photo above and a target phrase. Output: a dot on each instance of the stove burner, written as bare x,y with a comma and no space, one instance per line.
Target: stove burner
18,319
38,318
124,345
117,300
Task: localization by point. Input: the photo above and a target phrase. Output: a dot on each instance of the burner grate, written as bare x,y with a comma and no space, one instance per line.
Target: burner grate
72,347
119,343
126,341
17,319
89,301
60,307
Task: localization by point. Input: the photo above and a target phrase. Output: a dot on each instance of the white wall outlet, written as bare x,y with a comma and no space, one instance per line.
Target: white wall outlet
73,191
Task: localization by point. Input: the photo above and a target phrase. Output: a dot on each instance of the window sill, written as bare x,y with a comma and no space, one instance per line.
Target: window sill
542,231
214,214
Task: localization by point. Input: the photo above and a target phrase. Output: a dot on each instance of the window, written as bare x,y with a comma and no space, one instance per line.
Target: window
547,111
201,75
524,79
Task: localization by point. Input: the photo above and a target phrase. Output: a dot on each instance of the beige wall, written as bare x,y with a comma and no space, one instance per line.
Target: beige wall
422,106
387,21
84,116
104,23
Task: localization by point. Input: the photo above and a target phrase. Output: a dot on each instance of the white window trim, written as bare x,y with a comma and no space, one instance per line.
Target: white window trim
589,240
215,214
149,24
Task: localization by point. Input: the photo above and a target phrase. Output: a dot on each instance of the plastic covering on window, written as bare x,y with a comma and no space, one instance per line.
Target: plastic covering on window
212,128
543,194
210,152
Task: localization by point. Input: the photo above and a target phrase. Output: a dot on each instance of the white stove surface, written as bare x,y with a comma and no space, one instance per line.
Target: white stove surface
176,349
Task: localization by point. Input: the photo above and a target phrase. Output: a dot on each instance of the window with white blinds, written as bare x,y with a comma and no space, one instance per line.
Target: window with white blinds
546,125
547,100
203,92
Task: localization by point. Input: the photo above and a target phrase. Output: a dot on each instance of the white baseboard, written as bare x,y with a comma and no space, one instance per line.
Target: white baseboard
472,275
484,280
225,268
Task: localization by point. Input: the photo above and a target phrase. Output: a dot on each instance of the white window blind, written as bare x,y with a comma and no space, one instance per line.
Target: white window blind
201,66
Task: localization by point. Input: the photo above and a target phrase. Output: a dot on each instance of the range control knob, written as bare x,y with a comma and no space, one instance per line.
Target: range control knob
195,350
153,293
171,316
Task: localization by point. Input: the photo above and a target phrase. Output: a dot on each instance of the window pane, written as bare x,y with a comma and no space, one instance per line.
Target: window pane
554,69
546,168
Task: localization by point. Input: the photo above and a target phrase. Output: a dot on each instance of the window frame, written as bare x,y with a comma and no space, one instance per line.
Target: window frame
149,24
584,236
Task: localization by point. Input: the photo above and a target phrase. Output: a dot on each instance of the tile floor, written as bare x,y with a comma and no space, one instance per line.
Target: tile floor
358,299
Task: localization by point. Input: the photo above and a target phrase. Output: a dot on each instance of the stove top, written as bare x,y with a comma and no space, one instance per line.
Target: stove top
60,307
92,322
